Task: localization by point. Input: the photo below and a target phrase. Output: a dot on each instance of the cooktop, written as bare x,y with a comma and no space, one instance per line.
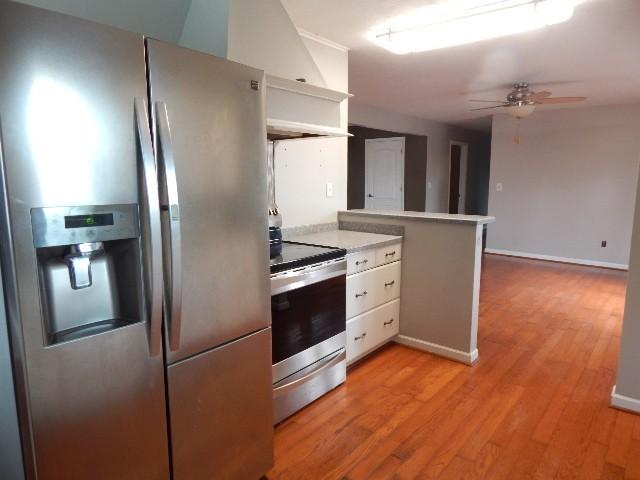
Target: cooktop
296,255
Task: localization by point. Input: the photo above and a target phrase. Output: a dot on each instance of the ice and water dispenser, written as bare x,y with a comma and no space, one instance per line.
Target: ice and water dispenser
89,268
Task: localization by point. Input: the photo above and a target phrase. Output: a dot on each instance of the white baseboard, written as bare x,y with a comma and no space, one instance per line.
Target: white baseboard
624,403
551,258
468,358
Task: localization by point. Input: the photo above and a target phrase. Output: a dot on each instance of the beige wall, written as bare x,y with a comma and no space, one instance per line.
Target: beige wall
569,184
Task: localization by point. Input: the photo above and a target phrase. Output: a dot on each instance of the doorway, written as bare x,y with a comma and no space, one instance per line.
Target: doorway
458,155
384,173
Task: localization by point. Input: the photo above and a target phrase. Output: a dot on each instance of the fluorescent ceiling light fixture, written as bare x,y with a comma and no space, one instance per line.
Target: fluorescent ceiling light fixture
458,22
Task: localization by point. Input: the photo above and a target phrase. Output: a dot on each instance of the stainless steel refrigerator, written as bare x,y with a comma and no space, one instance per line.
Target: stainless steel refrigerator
134,253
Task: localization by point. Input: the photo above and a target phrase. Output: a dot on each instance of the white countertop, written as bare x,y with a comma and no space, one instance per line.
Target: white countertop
422,216
347,239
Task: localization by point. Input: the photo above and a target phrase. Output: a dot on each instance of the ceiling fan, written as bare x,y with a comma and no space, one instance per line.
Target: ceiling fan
521,101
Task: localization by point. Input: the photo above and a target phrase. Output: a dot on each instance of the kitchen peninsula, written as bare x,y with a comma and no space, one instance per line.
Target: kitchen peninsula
440,276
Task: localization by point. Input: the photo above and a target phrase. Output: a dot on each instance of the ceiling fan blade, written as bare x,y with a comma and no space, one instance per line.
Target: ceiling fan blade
486,101
537,95
554,100
488,108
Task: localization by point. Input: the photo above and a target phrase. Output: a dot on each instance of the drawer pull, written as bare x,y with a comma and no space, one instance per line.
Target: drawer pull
360,337
358,295
390,284
361,262
389,254
389,322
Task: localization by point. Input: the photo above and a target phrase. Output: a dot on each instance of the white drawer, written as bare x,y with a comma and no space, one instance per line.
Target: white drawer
388,254
387,283
361,293
386,322
359,337
372,288
372,329
361,261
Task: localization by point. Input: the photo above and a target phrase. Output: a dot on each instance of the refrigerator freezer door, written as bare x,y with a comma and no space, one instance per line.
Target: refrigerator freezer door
10,451
221,413
209,118
67,117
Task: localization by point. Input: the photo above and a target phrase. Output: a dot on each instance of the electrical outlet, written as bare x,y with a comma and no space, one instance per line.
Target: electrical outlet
604,243
498,187
329,189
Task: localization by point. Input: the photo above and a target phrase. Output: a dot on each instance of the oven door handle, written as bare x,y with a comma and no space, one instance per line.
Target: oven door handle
326,364
303,278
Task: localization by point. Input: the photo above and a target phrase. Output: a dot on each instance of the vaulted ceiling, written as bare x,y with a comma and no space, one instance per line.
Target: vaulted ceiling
595,54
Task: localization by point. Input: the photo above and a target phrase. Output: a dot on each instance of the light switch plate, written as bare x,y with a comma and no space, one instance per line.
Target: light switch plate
329,189
498,187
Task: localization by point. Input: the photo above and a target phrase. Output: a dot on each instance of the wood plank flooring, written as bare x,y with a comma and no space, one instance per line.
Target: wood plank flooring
534,407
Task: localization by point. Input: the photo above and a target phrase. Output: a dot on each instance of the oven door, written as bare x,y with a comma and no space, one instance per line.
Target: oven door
308,322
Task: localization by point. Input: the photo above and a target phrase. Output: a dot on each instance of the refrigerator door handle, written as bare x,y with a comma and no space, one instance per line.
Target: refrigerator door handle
153,258
167,167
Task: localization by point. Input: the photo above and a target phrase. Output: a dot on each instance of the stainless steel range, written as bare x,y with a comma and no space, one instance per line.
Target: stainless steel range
308,310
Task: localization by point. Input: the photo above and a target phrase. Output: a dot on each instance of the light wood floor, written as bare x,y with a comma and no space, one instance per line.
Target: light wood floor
535,406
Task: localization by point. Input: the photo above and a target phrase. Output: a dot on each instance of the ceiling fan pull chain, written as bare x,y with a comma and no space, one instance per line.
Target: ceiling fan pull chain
516,137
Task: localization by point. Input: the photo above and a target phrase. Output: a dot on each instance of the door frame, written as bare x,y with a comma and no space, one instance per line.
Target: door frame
464,155
380,139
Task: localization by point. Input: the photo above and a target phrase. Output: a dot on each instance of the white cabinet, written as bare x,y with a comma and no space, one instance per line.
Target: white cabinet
361,261
387,283
372,329
391,253
373,292
359,337
374,287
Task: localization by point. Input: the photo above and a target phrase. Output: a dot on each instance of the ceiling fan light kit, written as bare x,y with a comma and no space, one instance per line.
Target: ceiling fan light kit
467,21
520,111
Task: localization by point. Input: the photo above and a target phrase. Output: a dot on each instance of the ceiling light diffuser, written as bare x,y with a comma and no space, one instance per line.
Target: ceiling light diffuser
520,111
466,21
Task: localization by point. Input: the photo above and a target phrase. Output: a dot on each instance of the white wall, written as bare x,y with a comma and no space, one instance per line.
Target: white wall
262,35
303,168
438,137
161,19
568,185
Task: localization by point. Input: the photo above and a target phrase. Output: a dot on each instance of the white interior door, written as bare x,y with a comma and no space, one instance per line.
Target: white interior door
384,173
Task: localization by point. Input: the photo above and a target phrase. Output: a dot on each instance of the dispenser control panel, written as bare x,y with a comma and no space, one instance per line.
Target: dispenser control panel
88,221
54,226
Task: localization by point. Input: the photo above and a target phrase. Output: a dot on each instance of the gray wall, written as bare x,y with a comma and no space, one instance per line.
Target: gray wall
440,282
628,381
161,19
439,135
568,185
205,28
